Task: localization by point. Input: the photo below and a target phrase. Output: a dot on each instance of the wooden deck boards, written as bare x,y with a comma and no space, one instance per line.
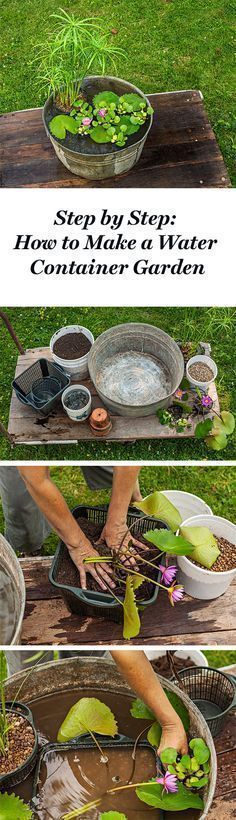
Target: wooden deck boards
26,427
181,150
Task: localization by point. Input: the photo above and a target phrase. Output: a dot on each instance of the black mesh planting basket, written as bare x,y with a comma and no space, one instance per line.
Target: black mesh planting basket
28,383
213,692
85,743
8,781
100,604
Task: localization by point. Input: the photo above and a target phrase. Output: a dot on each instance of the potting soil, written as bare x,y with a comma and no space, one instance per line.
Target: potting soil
68,574
8,614
71,346
201,372
20,742
162,667
227,558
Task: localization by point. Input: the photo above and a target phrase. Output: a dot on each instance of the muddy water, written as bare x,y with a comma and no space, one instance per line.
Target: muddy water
71,779
7,607
49,712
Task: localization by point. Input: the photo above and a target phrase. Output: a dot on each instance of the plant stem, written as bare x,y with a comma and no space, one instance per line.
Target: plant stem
77,812
132,572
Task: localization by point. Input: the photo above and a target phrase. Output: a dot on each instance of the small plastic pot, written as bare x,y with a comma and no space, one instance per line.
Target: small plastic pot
79,414
76,368
203,583
201,360
187,504
22,772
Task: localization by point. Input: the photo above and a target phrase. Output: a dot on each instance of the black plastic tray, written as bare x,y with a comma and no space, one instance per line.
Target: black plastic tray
100,604
39,370
86,742
18,775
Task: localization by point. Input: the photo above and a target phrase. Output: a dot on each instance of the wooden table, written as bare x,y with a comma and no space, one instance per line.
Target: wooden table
26,427
181,150
47,620
224,802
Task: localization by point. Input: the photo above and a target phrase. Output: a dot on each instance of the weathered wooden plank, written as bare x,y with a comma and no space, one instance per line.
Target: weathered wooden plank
26,427
181,150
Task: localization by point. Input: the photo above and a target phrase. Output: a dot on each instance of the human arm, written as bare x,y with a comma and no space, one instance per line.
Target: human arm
137,671
50,501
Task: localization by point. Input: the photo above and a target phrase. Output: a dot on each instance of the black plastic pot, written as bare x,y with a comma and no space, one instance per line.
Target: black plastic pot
86,742
18,775
212,691
100,604
38,372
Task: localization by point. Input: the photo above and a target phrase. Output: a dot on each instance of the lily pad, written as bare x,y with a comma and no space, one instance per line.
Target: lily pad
87,715
105,98
100,134
134,100
153,795
62,123
159,506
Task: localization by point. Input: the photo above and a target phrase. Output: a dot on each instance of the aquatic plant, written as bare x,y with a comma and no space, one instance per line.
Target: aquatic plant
12,807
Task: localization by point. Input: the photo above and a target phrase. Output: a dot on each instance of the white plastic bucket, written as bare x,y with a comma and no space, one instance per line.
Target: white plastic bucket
195,654
80,414
187,504
76,368
203,583
202,360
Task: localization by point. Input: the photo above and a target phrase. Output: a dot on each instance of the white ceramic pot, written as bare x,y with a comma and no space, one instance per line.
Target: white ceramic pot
201,360
203,583
187,504
76,368
195,654
79,414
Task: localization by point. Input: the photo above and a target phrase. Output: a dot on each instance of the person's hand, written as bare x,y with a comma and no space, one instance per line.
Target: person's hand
102,573
174,737
114,535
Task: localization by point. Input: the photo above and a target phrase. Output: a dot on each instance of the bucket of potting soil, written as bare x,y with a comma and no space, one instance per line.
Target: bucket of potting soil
77,402
213,692
70,347
196,657
136,369
12,595
22,736
98,161
201,371
203,583
53,688
64,575
187,504
68,774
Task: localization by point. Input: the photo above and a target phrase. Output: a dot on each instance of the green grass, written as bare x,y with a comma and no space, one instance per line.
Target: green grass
220,658
35,326
170,45
215,485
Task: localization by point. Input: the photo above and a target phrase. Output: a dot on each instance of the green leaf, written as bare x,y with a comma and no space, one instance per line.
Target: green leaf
203,428
131,616
198,783
157,505
200,750
134,100
169,756
168,542
218,442
205,545
153,795
154,734
137,580
62,123
228,422
130,127
141,711
112,815
185,761
87,715
100,134
180,708
104,99
12,808
3,666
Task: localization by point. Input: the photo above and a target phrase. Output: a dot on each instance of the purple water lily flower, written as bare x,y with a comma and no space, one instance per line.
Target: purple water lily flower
179,393
102,112
86,120
168,574
169,782
175,593
206,401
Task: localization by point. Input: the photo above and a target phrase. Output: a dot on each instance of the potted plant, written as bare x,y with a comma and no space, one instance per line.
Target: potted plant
97,123
18,737
209,570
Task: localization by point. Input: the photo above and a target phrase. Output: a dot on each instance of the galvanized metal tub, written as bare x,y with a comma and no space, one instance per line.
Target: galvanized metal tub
11,565
99,161
155,350
103,676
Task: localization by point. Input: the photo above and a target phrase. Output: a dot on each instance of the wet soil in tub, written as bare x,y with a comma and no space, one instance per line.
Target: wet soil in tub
68,574
71,346
50,711
7,607
72,778
226,560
